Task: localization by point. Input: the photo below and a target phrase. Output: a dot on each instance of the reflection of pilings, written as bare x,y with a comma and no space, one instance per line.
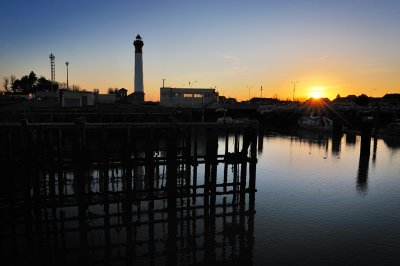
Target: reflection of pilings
375,148
365,147
336,143
350,139
91,183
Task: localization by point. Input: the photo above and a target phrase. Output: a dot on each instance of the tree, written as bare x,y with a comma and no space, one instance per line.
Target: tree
43,84
17,86
6,82
12,80
26,84
32,79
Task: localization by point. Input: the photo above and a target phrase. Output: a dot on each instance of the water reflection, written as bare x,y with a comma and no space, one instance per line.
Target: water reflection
109,204
351,139
336,144
363,165
162,204
333,143
392,142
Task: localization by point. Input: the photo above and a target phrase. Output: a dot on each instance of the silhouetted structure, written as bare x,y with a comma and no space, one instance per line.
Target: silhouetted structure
53,69
137,97
131,193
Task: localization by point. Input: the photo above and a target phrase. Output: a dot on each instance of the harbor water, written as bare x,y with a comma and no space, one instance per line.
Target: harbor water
319,200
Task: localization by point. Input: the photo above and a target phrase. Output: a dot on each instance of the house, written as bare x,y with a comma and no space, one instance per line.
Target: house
77,99
121,94
188,97
47,96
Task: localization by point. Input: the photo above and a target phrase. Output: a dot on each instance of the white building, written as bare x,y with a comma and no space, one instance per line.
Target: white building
77,99
188,97
105,98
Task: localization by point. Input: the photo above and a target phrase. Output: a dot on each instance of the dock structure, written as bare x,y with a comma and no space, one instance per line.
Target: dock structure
133,193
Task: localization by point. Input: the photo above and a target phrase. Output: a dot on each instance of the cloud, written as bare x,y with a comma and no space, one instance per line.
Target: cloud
231,58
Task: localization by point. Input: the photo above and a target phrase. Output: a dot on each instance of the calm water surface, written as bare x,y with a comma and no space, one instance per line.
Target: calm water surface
320,201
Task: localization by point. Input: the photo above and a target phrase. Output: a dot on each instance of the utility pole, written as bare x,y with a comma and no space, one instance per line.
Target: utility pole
249,87
202,108
294,87
66,63
261,91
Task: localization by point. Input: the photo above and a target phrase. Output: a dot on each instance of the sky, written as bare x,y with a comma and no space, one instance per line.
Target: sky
320,47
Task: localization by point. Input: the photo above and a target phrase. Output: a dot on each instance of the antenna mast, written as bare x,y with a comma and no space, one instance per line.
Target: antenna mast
294,87
53,69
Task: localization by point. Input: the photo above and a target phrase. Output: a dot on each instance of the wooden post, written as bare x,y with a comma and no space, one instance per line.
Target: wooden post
253,161
80,179
171,187
188,159
225,163
149,171
195,140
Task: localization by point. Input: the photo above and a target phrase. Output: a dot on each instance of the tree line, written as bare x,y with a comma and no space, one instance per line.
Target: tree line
31,83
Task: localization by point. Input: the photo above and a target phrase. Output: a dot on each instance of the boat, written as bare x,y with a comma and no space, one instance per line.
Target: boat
311,122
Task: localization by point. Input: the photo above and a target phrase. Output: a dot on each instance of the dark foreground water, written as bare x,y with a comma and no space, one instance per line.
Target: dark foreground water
319,200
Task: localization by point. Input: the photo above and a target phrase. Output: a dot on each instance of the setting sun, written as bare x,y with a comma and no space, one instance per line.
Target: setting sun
317,92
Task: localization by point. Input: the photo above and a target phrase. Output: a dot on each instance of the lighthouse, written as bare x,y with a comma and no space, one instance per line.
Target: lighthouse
138,94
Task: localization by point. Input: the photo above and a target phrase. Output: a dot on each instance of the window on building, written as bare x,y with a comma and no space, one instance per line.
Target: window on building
192,95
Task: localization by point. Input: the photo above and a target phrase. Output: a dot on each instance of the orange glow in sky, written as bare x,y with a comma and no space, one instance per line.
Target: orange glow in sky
317,92
330,47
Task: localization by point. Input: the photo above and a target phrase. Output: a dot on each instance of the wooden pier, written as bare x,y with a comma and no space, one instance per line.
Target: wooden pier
128,193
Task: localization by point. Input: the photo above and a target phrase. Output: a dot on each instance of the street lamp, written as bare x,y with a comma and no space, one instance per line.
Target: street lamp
66,63
191,85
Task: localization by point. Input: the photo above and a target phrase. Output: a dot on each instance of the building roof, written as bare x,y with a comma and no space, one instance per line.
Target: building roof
188,90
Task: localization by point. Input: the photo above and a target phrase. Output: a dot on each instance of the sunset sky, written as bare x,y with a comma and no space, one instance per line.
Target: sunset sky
329,47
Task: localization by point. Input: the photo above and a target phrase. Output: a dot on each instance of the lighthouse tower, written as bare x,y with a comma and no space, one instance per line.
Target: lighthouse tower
138,94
